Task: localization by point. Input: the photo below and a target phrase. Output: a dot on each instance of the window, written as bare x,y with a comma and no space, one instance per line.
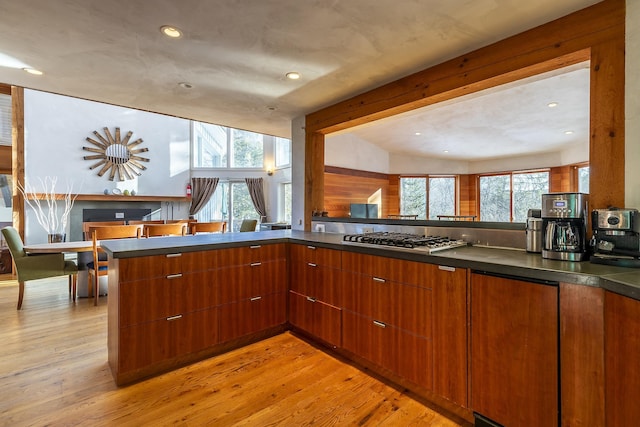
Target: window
413,197
583,179
222,147
230,202
284,203
282,152
442,196
5,119
508,197
438,199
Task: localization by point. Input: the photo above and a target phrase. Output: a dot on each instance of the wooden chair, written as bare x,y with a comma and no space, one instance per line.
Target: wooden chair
209,227
86,235
33,267
248,225
150,221
175,229
99,266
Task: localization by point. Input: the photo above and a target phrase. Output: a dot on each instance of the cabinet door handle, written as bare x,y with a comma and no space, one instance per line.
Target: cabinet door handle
377,279
170,318
310,299
255,247
310,264
313,248
380,324
446,268
173,255
255,264
174,276
256,299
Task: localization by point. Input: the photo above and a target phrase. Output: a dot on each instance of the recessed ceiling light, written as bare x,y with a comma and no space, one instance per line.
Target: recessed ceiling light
445,151
418,134
552,104
185,85
170,31
293,75
568,132
33,71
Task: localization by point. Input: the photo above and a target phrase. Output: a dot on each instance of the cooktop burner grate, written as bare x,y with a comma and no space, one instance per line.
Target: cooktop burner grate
403,241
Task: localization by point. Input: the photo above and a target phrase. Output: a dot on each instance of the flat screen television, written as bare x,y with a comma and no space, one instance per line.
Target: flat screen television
364,210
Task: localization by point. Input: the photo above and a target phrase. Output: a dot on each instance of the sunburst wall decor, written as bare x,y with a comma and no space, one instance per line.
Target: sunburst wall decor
118,157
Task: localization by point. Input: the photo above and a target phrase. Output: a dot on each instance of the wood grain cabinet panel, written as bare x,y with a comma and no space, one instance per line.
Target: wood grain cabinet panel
397,270
252,315
319,319
320,256
514,351
317,281
152,299
242,282
153,342
251,254
450,333
405,354
622,347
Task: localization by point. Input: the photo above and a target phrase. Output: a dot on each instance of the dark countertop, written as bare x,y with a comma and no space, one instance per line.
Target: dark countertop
511,262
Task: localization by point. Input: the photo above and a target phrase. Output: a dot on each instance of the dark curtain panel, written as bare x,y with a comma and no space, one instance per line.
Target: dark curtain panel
203,189
256,191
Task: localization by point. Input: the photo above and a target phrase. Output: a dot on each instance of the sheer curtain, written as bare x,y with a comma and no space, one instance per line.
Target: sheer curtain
256,191
203,189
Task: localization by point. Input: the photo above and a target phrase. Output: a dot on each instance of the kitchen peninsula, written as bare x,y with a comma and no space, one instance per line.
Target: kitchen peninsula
428,322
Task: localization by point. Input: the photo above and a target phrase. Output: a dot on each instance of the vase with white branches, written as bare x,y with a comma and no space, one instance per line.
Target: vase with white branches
51,209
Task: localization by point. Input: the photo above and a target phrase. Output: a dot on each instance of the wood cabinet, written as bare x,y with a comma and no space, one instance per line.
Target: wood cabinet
514,351
166,309
450,332
388,315
253,289
315,297
622,347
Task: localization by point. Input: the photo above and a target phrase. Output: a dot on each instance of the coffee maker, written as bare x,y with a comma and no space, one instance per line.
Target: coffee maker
616,237
564,226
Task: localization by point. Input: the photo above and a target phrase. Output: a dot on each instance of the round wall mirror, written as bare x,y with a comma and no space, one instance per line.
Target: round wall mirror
116,155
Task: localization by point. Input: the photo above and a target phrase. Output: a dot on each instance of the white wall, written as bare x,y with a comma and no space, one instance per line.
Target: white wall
297,172
55,131
348,151
632,106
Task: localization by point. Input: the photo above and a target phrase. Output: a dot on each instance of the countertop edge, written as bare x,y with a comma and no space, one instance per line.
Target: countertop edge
519,264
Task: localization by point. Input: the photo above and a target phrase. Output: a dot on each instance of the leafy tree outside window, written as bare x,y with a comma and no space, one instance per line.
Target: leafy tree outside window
583,179
413,197
230,202
508,197
442,196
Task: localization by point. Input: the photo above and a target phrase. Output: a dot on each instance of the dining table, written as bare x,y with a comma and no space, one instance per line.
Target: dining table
60,247
82,248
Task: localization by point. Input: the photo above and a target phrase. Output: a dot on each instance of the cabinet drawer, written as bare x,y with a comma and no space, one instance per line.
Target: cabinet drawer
317,281
152,299
404,306
315,255
407,355
246,281
153,342
251,254
252,315
409,272
321,320
156,265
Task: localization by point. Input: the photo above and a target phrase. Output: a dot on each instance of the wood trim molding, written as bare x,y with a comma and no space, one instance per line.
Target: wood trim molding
355,172
17,151
595,33
5,89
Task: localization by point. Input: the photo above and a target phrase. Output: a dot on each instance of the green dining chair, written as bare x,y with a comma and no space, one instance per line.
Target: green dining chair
33,267
248,225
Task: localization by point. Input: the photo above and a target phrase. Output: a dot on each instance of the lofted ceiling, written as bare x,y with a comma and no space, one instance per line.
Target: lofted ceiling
235,53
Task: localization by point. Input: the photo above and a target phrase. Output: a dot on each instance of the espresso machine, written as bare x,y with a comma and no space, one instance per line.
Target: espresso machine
564,226
616,237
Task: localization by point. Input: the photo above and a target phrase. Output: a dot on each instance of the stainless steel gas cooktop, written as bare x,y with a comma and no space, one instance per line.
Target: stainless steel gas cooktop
403,241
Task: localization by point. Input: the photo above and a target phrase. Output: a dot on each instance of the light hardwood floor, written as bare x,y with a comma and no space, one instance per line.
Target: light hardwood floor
53,371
